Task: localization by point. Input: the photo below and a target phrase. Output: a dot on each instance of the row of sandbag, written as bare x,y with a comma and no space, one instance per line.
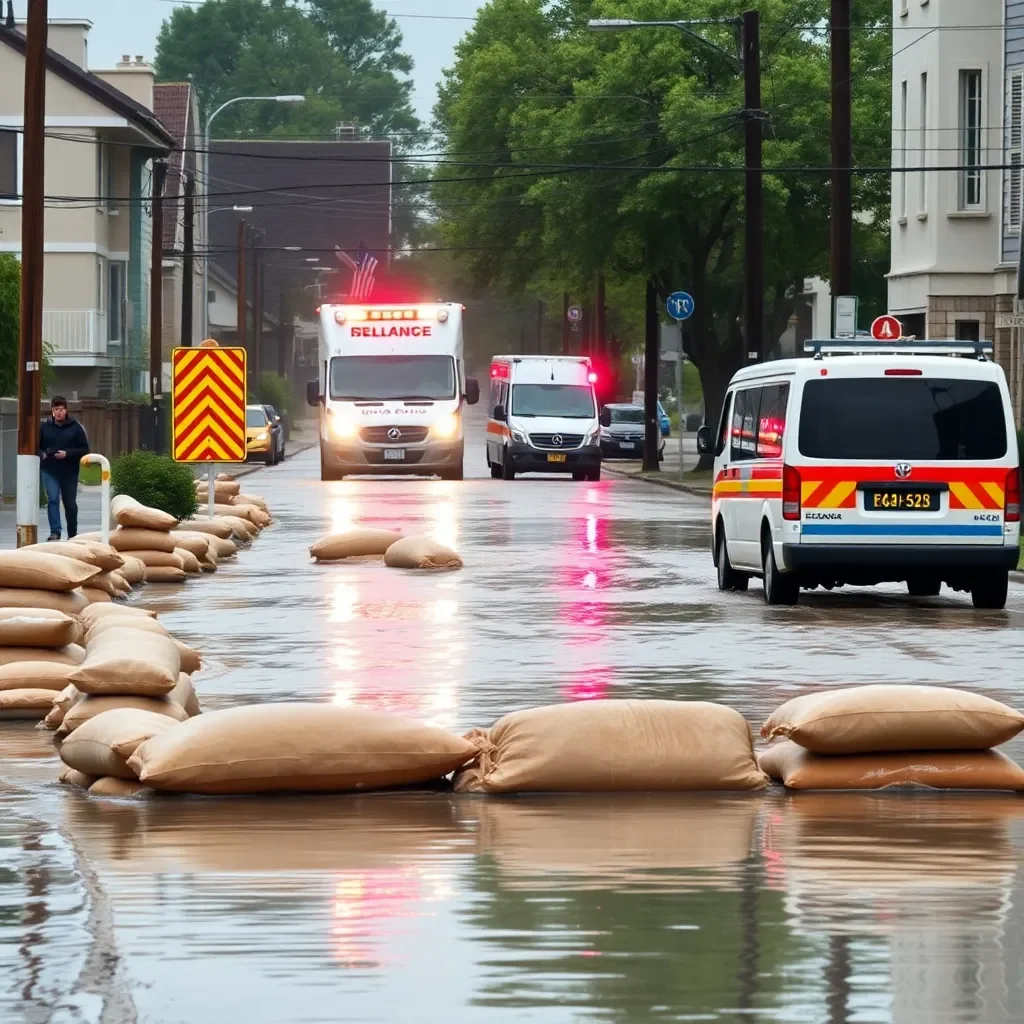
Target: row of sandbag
398,551
595,746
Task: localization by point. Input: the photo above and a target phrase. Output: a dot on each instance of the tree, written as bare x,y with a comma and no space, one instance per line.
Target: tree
10,320
622,153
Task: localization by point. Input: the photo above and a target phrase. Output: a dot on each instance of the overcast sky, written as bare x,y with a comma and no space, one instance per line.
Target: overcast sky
131,26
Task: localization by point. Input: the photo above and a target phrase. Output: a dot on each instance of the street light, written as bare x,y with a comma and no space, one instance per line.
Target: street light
288,98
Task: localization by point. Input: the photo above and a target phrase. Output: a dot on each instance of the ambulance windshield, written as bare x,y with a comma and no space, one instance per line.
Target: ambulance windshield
427,378
569,401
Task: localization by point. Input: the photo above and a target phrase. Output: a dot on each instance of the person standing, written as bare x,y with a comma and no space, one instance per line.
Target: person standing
62,446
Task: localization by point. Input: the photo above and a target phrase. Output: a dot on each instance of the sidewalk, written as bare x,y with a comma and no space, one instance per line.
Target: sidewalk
668,475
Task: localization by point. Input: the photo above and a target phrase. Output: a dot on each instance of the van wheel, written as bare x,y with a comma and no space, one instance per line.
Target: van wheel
495,471
990,588
456,473
728,577
326,473
579,475
779,588
594,476
924,586
508,471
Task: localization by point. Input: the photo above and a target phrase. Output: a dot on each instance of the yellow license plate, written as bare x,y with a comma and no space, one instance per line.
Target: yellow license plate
902,501
556,458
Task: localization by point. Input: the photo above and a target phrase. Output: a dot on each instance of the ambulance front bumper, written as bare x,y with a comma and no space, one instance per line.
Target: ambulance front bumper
356,457
934,557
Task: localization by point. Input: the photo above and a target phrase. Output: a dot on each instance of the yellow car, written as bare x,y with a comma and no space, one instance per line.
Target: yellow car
259,435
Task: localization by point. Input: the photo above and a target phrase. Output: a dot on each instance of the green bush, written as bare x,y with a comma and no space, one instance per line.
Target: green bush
276,391
155,480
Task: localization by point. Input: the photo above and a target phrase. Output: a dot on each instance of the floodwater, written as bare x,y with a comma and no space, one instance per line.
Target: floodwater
428,906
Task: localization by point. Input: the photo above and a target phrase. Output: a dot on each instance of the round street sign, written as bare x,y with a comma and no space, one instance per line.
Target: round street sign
679,305
886,328
575,314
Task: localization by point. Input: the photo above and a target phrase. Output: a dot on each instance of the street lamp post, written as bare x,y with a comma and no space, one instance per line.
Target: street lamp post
206,193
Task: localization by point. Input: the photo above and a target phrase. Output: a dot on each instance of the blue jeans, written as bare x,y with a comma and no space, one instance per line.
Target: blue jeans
60,488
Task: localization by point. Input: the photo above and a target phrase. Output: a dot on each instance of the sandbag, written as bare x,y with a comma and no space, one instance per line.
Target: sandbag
54,718
353,544
615,746
251,499
798,768
128,661
71,603
102,556
31,705
240,527
213,527
70,777
222,547
250,513
116,622
87,707
36,569
160,559
36,675
121,586
210,562
190,659
105,582
102,746
165,574
96,596
68,697
297,747
93,615
118,789
224,476
223,491
421,553
37,627
134,570
877,718
185,695
189,562
134,540
70,654
197,544
128,512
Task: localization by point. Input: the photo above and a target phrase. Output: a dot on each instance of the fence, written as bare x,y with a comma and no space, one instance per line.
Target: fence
113,428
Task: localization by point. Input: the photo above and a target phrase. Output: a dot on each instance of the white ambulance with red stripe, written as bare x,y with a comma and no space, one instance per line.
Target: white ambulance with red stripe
390,390
868,463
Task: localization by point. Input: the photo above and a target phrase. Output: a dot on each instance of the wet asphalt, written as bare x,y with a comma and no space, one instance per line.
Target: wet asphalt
422,907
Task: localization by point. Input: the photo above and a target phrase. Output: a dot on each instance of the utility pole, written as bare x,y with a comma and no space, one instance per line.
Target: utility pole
652,360
753,260
243,313
282,335
156,303
842,150
565,323
601,345
30,332
188,284
259,281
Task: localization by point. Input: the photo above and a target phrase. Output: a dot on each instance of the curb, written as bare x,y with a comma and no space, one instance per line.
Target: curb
298,449
674,485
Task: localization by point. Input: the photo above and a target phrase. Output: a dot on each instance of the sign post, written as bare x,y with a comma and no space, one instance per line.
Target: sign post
886,328
208,394
846,316
680,306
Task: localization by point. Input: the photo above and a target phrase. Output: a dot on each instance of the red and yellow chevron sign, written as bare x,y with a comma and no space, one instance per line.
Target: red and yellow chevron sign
208,404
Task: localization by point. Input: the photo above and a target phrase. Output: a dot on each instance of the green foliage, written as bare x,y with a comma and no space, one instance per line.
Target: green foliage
276,391
10,318
155,480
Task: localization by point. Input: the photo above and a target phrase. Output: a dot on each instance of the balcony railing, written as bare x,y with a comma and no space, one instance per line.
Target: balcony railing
74,332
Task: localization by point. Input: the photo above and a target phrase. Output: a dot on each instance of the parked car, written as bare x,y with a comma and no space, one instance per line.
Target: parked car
278,432
259,439
664,422
623,438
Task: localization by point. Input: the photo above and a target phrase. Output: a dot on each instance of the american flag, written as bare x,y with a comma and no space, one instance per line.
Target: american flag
363,267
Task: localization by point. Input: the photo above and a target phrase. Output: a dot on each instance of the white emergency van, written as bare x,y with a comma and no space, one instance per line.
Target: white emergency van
544,417
868,463
391,389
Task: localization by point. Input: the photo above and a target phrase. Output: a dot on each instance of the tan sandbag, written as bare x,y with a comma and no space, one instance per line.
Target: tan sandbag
36,569
210,562
191,660
70,777
133,540
189,562
251,499
222,547
615,746
185,695
102,556
268,748
160,559
104,581
353,544
68,697
25,704
213,527
128,512
876,718
121,586
96,596
223,491
118,789
116,622
243,528
54,718
134,570
36,675
90,616
70,654
102,745
165,574
255,515
89,707
197,544
71,603
224,476
37,627
798,768
128,661
421,553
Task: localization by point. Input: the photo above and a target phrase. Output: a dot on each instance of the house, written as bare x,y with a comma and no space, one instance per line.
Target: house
223,309
102,137
957,77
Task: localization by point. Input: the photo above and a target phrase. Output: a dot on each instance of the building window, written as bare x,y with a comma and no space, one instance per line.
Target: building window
922,158
104,176
211,296
118,281
903,149
10,167
1015,122
968,330
970,197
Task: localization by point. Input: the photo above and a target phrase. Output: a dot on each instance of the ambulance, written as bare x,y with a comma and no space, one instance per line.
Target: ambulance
544,417
892,462
391,389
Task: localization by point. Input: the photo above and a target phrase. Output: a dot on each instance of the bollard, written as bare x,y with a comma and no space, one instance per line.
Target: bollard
104,465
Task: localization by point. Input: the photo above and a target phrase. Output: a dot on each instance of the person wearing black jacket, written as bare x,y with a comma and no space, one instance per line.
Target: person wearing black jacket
62,446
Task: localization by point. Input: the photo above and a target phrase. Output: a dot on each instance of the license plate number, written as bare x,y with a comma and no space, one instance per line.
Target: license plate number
901,501
556,457
627,445
394,454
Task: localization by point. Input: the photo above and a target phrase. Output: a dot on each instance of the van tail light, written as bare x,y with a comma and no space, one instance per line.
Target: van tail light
790,493
1013,496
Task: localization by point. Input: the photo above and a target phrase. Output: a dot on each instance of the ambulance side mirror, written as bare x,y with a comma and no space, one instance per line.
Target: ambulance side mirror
606,417
704,440
472,391
499,413
312,392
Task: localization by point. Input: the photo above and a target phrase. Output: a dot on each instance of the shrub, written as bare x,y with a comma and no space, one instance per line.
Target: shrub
155,480
276,391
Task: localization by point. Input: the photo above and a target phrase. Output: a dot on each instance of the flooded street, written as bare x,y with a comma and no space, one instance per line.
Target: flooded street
422,907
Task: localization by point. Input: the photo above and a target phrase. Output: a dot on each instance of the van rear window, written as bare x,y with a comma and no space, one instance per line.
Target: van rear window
892,419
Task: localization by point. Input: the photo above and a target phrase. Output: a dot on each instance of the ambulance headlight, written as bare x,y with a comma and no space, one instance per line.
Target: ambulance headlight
343,428
519,435
594,436
446,427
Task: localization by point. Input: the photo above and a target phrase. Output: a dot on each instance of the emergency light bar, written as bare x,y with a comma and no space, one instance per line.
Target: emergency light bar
858,346
344,314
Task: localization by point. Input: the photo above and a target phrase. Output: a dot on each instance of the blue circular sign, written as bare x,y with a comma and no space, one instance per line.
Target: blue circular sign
679,305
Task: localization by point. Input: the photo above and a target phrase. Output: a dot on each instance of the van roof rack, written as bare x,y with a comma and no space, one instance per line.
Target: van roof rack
909,347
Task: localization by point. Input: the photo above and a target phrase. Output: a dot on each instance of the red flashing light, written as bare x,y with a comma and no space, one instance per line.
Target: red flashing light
903,373
790,493
592,377
1012,499
499,370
